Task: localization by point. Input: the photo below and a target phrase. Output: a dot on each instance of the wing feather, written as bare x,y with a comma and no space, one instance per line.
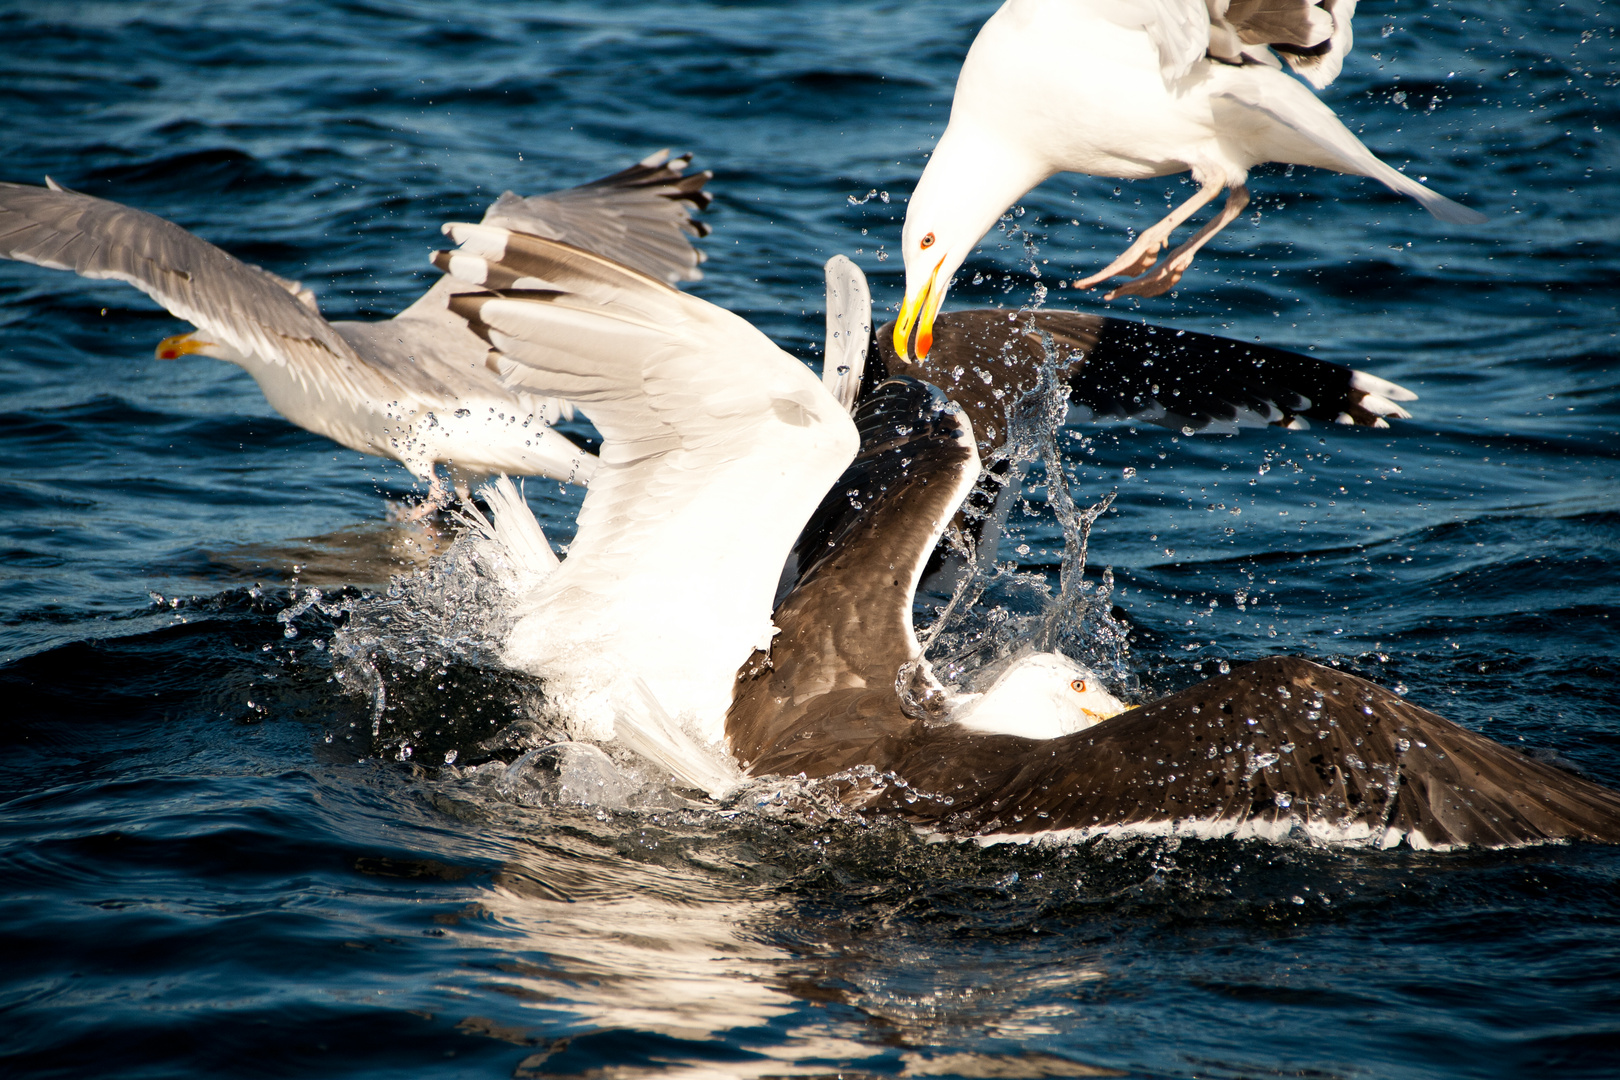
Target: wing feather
250,310
640,216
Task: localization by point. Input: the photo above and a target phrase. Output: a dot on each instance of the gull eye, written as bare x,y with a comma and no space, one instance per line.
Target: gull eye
1078,686
928,241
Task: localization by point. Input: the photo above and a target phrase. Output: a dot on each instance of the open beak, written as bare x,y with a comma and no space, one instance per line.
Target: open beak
919,311
173,348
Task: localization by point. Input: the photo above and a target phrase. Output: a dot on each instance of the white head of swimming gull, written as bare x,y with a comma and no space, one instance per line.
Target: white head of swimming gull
1131,90
413,388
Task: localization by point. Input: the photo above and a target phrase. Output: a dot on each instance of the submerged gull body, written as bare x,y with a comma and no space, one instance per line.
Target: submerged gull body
413,388
1133,91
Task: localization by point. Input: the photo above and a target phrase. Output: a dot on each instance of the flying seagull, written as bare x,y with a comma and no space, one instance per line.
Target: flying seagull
1131,90
414,388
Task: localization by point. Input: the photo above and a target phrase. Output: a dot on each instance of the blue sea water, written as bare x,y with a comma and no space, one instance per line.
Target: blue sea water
207,868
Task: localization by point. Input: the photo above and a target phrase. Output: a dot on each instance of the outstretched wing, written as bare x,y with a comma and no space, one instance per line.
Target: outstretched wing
1120,369
1312,35
640,216
1275,746
236,304
829,677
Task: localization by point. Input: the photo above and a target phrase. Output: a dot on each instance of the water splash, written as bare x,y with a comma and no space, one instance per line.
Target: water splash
1000,611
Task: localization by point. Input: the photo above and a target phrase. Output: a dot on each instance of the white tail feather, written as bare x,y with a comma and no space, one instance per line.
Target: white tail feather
522,557
643,727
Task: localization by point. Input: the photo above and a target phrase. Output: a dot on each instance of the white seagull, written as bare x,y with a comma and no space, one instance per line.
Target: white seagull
1134,89
413,388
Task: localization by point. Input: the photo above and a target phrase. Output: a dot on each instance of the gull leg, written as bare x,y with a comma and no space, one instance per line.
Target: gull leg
1142,254
1169,272
438,497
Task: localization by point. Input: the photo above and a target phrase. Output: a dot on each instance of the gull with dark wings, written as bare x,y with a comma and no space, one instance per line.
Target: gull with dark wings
413,388
1132,89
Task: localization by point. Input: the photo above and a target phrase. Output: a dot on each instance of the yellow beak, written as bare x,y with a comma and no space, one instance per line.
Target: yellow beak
173,348
919,311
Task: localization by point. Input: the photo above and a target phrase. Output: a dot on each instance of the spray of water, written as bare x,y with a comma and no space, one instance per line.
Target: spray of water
998,611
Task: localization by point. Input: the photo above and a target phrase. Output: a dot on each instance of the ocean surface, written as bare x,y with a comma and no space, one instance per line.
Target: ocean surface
219,858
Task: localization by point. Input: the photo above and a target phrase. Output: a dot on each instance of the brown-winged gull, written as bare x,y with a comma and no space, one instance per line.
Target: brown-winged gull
1131,90
413,388
1276,748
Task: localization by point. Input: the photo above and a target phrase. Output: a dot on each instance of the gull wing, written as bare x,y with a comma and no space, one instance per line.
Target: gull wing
1276,746
1121,369
1180,29
716,447
640,216
1304,131
830,676
1312,35
250,310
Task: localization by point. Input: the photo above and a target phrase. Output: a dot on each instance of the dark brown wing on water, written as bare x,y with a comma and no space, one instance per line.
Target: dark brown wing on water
1275,745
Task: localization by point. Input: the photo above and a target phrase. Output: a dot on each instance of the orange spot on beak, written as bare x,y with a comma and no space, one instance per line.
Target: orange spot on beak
173,348
919,311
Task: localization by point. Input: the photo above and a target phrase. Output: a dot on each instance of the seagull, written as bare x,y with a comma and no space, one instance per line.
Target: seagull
716,446
1131,90
413,388
714,442
1275,749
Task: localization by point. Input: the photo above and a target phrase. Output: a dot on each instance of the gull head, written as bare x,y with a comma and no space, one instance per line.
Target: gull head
1042,695
935,243
970,181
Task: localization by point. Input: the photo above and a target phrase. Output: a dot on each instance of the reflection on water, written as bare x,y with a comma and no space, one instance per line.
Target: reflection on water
364,556
705,975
